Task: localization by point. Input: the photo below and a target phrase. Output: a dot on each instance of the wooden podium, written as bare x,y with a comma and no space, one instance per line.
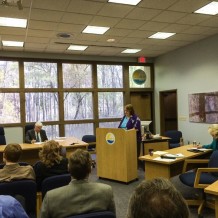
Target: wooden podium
116,154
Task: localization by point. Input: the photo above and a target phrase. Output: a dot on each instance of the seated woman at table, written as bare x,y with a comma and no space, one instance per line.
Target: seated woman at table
51,162
213,130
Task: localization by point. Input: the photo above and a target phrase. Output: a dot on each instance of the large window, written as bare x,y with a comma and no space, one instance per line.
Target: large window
40,75
110,104
41,106
71,99
78,106
9,74
110,76
9,108
77,75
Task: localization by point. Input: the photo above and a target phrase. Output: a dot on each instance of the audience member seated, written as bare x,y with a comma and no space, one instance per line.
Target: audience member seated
157,198
51,162
213,131
80,196
12,170
36,135
10,207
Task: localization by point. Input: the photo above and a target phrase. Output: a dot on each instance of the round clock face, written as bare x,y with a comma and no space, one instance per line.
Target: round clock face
139,77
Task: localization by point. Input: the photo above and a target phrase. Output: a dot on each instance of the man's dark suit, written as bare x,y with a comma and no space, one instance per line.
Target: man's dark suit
30,135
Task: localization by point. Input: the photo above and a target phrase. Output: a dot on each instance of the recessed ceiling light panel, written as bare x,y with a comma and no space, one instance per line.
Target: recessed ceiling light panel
77,47
131,51
161,35
127,2
12,43
95,29
211,8
13,22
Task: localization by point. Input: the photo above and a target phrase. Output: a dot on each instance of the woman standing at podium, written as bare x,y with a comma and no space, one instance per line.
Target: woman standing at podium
131,121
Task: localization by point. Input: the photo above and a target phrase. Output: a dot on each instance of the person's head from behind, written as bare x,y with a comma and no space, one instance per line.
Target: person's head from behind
213,130
50,153
157,198
129,110
80,163
38,126
12,153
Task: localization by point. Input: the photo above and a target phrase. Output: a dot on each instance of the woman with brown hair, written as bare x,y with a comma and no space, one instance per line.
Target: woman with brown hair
51,162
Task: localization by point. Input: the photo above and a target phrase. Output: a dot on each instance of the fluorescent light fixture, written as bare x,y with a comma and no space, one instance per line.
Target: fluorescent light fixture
161,35
131,51
211,8
127,2
12,43
13,22
77,47
96,29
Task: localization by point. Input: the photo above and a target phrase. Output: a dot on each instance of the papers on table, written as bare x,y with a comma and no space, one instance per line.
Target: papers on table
38,143
163,159
160,152
61,138
166,157
194,149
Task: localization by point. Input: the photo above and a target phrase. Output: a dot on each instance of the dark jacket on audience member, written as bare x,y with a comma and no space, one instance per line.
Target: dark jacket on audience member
42,171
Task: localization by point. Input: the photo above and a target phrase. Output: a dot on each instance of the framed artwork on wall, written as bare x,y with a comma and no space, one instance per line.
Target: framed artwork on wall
203,107
139,77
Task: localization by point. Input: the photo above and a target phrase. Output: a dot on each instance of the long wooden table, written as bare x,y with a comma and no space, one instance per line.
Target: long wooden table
31,151
213,189
168,168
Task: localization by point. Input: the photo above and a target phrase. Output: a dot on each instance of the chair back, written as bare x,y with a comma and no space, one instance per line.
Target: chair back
100,214
213,162
90,139
53,182
29,127
26,189
174,136
2,136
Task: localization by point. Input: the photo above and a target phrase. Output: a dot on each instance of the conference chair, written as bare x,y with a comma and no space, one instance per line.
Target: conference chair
50,183
100,214
2,136
91,140
175,137
26,189
28,127
200,179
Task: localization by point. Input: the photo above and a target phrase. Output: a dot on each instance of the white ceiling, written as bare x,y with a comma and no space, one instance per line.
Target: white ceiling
129,25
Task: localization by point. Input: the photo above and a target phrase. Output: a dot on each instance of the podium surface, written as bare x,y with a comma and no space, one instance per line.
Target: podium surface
116,154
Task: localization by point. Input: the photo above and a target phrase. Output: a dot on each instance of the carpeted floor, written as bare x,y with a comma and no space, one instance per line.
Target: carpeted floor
123,191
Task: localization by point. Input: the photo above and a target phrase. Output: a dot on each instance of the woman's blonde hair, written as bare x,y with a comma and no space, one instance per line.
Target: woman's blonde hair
213,130
50,153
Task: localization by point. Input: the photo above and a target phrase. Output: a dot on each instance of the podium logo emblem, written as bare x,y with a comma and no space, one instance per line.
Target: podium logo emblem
110,138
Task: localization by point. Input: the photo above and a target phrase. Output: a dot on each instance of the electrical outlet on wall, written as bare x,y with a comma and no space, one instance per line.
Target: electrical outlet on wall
182,118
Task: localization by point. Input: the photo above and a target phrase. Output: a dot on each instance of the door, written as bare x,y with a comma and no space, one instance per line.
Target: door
142,103
168,111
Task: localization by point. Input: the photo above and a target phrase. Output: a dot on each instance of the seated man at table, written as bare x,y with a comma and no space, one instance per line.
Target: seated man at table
36,135
12,170
80,196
